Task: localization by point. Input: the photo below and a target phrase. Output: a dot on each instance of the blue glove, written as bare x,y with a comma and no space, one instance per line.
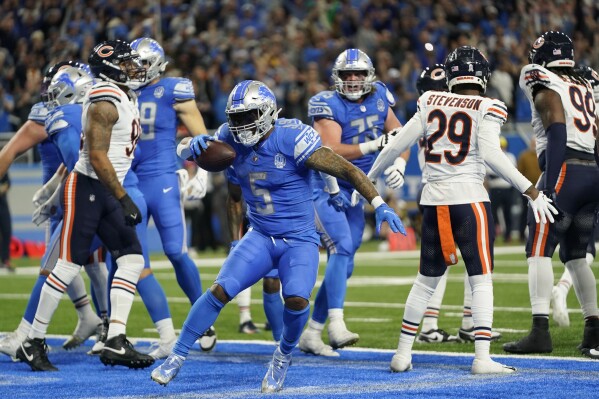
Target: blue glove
199,143
339,201
385,214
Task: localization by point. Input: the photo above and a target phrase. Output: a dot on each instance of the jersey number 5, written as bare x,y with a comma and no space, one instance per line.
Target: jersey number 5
449,128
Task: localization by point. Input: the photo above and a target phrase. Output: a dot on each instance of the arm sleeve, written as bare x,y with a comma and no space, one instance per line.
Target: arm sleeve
490,150
68,143
408,135
555,153
331,183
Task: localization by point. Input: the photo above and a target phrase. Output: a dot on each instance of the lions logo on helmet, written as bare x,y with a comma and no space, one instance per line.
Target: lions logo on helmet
54,69
251,111
432,78
152,57
353,60
467,65
115,61
553,49
68,86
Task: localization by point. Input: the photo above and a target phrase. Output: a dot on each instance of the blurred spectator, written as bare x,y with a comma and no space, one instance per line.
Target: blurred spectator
502,196
528,165
7,105
5,224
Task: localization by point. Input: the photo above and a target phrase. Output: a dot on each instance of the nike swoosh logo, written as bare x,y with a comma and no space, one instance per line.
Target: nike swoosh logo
134,215
118,352
166,190
28,356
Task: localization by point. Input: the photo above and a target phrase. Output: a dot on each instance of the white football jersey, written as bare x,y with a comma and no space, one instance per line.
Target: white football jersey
125,133
578,102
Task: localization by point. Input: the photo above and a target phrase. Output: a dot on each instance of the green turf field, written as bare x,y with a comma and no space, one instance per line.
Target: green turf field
374,303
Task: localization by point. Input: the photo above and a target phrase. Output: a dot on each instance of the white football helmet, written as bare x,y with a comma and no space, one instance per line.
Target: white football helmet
251,111
353,59
68,86
152,57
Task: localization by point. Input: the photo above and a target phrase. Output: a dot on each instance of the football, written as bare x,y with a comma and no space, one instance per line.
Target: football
218,157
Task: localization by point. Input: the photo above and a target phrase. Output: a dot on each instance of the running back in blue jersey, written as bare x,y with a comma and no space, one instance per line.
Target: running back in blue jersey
49,154
360,122
274,180
159,125
63,125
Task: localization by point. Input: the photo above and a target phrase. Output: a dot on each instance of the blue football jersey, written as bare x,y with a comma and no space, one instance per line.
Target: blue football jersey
360,122
274,180
159,125
63,125
48,152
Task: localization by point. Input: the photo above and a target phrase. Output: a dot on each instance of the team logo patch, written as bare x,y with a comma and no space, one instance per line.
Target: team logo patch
539,42
380,105
362,108
105,51
254,157
280,161
159,92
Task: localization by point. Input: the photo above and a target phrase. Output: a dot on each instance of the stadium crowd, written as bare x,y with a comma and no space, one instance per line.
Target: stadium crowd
288,44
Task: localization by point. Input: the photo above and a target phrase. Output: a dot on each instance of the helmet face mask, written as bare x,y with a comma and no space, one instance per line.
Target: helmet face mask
552,49
467,65
251,112
353,74
115,61
432,78
152,57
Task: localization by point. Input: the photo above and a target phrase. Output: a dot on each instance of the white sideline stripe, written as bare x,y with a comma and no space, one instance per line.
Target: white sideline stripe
382,305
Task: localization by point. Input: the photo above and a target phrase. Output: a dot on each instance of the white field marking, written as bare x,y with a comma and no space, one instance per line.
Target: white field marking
367,320
510,330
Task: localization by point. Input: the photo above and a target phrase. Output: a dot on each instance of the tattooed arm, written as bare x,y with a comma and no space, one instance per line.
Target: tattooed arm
101,117
234,211
325,160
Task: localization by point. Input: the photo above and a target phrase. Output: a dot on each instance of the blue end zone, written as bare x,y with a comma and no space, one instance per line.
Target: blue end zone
236,369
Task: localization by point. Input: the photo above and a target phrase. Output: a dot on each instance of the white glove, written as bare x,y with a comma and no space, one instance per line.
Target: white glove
43,194
377,144
356,197
395,174
196,188
49,208
542,208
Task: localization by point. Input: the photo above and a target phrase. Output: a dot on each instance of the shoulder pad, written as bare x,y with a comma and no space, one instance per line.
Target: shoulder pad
183,89
320,105
38,113
105,91
533,74
56,122
387,93
495,110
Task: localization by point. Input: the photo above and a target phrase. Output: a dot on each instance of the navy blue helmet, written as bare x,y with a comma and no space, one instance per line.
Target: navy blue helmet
115,61
432,78
552,49
589,74
467,65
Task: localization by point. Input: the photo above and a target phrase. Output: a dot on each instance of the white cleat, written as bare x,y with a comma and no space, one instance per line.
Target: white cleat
436,336
277,371
468,335
208,340
85,329
10,343
168,370
490,367
163,349
560,307
340,336
401,363
311,342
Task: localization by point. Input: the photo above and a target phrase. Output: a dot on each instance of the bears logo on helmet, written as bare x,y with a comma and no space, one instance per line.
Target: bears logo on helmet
552,49
432,78
115,61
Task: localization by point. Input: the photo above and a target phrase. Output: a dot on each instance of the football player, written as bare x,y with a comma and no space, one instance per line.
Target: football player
564,122
271,172
461,129
355,121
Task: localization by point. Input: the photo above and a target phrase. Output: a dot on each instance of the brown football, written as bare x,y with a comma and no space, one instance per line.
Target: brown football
218,157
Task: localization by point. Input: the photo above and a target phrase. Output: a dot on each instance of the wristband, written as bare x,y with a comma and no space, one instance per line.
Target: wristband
377,201
368,147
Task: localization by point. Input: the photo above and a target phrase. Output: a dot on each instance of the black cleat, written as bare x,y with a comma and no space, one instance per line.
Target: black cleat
538,341
267,326
119,351
33,351
248,328
590,338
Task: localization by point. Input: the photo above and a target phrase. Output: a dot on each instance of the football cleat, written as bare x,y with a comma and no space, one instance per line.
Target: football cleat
340,336
401,363
590,338
277,370
490,367
436,336
168,370
33,351
467,335
538,341
248,328
267,326
163,349
10,343
560,307
208,340
592,353
311,342
84,330
119,351
100,337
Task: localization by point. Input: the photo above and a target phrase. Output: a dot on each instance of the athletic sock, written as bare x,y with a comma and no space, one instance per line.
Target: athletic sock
98,275
540,284
482,314
467,323
585,286
166,330
336,280
273,308
431,314
78,294
122,292
187,274
34,299
293,324
202,315
321,304
244,300
153,297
